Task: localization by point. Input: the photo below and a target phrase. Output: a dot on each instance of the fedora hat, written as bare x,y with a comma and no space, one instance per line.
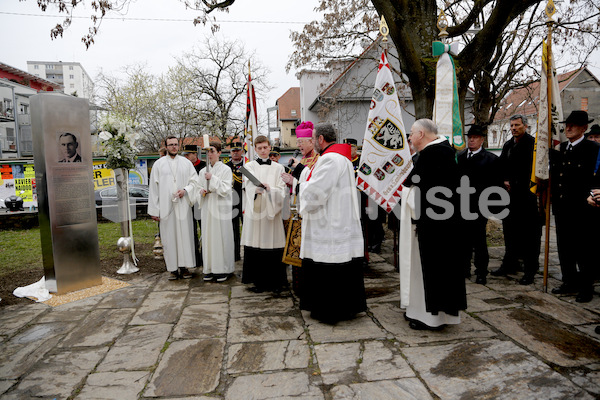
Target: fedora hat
594,130
578,117
476,130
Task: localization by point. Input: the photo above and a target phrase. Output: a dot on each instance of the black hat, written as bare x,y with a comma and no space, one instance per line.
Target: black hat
190,148
275,150
236,146
351,142
578,117
476,130
594,130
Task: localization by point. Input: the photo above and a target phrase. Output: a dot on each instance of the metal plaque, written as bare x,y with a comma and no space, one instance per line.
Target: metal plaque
63,170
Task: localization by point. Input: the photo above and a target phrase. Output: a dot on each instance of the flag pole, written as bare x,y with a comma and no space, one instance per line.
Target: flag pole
550,10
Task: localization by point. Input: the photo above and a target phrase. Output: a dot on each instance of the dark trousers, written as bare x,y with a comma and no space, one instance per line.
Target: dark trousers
522,235
197,245
236,236
476,243
575,249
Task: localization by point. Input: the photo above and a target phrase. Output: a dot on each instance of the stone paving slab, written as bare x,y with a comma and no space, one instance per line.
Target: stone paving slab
261,305
5,385
392,319
405,389
552,306
267,356
242,291
472,370
361,327
487,300
138,348
338,362
128,297
164,284
13,318
264,328
188,367
279,385
74,311
383,361
99,328
549,338
202,322
124,385
28,347
208,295
59,374
160,308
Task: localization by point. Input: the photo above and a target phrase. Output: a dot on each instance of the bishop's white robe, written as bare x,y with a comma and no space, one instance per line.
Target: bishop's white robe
176,231
217,230
412,290
263,226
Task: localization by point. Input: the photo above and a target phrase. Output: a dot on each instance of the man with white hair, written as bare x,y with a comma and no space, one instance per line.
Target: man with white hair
431,276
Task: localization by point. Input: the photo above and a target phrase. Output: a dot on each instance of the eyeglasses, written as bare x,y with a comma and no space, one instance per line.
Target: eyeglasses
172,144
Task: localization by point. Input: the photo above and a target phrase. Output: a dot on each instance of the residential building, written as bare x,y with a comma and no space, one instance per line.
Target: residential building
342,94
288,116
16,86
71,75
579,90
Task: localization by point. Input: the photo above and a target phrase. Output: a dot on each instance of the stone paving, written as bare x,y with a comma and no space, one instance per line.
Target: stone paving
189,339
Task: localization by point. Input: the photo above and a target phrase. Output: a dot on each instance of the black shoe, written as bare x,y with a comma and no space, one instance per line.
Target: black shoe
221,277
564,289
526,280
482,280
419,326
597,330
255,289
174,276
208,277
584,297
185,273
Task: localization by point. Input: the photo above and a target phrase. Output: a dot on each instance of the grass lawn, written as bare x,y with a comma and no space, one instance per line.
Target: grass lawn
21,250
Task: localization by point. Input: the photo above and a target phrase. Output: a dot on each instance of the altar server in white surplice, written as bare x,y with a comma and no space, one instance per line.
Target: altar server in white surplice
262,235
215,201
173,184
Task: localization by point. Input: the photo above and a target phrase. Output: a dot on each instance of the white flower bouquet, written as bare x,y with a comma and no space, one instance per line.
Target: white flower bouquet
119,136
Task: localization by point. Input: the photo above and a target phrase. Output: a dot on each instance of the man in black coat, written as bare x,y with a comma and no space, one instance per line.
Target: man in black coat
572,169
438,227
523,225
481,168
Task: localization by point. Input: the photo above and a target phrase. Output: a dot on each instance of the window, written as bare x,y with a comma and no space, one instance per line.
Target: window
35,66
23,108
70,68
293,112
72,86
584,103
49,66
71,76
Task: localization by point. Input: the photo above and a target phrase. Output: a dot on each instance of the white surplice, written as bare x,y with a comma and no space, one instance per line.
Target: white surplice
176,231
263,225
331,230
412,290
217,230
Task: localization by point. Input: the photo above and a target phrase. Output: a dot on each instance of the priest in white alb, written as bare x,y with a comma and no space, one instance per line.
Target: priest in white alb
173,185
214,200
332,242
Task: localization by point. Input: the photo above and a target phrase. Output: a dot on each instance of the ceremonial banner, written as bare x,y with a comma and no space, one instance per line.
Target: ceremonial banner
446,110
250,128
385,161
549,108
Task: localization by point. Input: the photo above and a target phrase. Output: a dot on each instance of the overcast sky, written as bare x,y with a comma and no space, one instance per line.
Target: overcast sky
127,41
132,39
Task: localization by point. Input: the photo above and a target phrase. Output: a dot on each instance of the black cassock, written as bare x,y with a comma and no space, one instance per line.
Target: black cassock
440,239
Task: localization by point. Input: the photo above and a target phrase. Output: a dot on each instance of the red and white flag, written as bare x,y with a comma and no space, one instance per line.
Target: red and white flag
385,161
250,128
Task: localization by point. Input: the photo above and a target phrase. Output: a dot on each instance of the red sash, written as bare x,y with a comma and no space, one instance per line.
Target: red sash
342,149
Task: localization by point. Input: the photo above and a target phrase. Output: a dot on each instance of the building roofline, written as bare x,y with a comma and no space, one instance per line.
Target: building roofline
27,75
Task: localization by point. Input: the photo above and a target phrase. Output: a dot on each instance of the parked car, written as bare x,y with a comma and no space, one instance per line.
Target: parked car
106,200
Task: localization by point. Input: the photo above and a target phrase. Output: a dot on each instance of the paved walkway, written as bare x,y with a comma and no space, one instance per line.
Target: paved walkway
195,340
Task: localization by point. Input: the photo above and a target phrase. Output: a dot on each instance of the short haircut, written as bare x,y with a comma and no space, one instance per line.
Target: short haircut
171,137
216,144
327,131
427,125
519,116
261,139
68,134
